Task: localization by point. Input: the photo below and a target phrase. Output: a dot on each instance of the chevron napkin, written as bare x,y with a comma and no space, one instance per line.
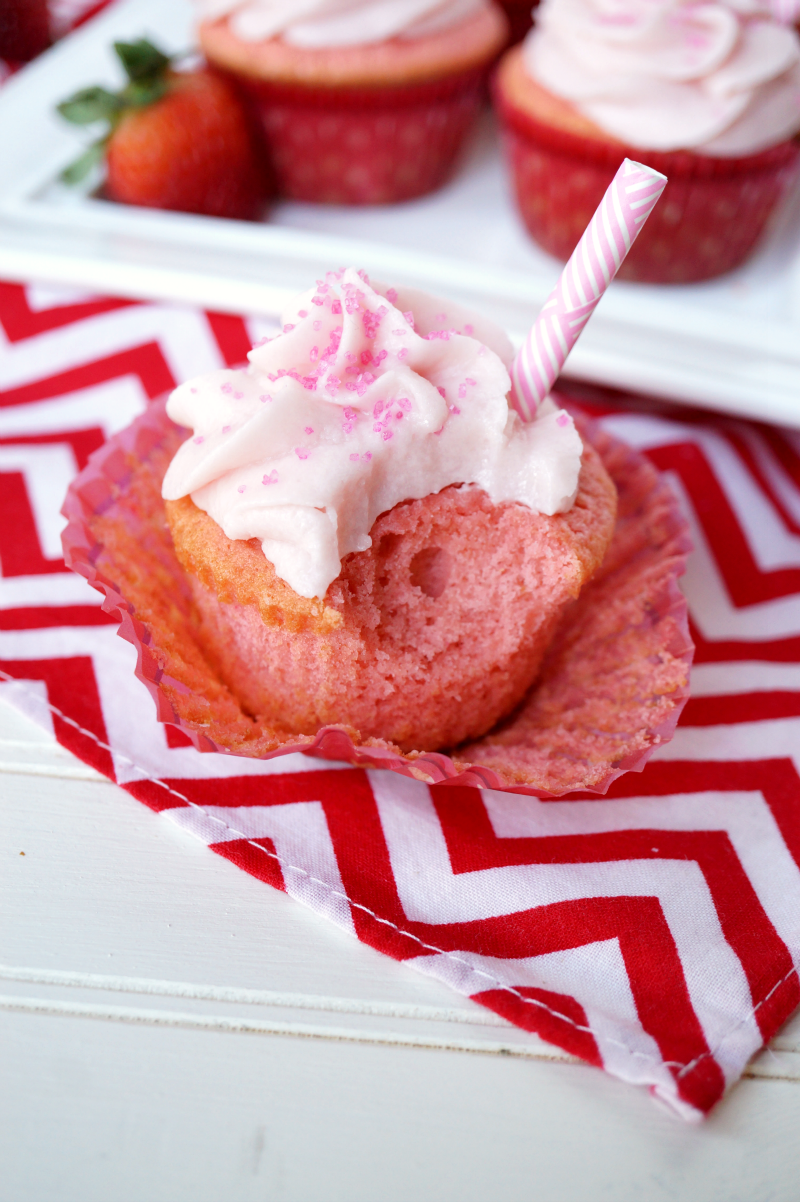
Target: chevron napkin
655,933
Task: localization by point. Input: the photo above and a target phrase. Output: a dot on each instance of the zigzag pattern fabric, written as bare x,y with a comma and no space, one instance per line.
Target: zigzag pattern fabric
655,933
628,202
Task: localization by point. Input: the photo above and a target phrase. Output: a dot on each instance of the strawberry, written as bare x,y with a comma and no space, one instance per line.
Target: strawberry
176,140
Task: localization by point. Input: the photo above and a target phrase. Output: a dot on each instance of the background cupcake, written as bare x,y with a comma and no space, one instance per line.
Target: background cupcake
707,94
365,102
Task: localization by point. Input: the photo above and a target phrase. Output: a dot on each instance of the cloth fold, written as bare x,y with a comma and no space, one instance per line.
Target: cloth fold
655,932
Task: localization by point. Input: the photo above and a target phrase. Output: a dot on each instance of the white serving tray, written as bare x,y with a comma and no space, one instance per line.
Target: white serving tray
733,344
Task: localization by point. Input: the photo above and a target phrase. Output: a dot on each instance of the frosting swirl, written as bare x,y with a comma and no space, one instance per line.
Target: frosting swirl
370,396
317,24
721,77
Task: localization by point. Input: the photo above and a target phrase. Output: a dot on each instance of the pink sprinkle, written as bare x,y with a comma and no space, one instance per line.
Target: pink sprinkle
398,415
399,333
354,457
350,414
462,391
441,391
302,312
226,429
469,381
366,358
409,318
441,317
226,387
241,488
199,439
262,341
237,396
313,353
401,354
379,358
562,419
387,434
378,408
264,398
332,384
301,452
317,300
469,329
367,455
272,478
288,327
454,409
349,356
391,296
336,307
377,427
308,430
192,390
317,325
404,403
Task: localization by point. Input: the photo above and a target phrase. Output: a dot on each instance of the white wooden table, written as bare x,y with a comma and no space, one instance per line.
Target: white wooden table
174,1029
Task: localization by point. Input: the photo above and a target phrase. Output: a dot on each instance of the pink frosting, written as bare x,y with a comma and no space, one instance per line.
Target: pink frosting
369,397
316,24
721,77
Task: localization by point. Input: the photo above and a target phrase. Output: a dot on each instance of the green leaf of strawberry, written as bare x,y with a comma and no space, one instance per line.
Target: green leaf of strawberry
141,60
90,105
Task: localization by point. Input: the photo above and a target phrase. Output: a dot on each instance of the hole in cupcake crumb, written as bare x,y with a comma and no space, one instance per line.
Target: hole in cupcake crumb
388,544
430,570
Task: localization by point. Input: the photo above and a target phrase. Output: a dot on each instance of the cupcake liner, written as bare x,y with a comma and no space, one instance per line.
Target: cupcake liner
365,145
611,690
712,212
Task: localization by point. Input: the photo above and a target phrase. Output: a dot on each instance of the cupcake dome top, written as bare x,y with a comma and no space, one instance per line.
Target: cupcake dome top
318,24
722,78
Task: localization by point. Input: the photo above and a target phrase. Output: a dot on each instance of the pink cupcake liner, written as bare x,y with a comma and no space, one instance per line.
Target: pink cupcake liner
611,690
364,145
712,212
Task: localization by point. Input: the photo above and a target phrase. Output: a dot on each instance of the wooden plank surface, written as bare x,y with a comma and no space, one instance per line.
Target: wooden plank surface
174,1029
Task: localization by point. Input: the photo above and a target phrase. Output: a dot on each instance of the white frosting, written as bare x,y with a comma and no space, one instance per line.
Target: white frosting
369,397
317,24
721,77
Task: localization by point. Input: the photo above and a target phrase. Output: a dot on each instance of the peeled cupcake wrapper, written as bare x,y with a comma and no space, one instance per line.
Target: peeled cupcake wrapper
611,689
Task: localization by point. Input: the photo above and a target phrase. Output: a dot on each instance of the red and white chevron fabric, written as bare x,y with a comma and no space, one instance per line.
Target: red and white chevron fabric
655,932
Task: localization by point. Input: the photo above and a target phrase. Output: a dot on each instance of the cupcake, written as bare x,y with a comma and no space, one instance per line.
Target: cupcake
364,103
372,538
709,95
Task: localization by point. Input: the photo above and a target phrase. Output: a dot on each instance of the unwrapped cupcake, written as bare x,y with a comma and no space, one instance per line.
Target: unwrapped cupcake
361,101
373,538
708,94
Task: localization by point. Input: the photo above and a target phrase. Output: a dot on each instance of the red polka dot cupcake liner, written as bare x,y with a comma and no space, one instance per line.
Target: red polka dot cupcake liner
365,145
711,215
611,690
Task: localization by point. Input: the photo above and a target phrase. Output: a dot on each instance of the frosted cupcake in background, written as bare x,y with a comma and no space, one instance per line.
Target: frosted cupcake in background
707,94
361,101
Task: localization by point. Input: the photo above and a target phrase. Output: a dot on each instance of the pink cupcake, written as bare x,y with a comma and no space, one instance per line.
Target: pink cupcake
361,551
366,103
708,94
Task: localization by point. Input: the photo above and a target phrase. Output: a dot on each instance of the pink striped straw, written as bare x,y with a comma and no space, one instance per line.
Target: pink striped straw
597,258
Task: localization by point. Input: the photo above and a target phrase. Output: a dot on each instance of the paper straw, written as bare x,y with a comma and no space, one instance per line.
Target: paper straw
597,258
